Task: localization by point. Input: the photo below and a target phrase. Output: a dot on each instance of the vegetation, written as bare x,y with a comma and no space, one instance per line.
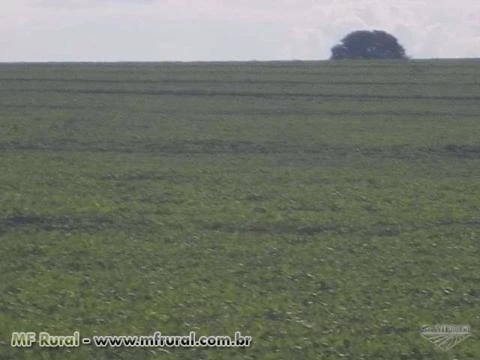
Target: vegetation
327,209
368,45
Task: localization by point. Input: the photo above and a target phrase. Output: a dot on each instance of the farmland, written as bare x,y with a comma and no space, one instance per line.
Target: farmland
327,209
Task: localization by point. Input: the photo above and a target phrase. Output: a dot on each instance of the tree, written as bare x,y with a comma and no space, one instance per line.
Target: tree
365,44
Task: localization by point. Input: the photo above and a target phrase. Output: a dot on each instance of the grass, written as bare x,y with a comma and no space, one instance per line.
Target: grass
328,210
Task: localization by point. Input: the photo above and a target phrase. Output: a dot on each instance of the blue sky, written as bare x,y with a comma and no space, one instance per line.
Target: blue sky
206,30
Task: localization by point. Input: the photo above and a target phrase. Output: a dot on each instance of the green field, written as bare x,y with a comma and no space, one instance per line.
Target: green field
327,209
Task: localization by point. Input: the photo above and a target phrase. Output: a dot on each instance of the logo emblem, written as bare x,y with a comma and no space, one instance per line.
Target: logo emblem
445,337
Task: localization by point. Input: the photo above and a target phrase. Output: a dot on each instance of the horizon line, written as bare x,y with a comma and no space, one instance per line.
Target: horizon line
222,61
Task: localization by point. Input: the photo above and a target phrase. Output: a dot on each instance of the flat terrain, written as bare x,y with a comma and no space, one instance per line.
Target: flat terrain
328,210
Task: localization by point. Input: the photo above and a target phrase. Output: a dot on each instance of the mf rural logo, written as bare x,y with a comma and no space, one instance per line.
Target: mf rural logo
445,337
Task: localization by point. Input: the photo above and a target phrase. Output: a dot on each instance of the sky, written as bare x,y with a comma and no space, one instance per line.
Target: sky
224,30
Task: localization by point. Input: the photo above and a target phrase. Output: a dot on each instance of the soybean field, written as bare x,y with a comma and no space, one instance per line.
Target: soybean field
329,210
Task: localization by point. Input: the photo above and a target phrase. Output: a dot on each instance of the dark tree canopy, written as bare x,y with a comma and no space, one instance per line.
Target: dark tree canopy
365,44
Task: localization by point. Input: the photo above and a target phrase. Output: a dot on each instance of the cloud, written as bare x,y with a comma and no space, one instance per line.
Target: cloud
442,30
